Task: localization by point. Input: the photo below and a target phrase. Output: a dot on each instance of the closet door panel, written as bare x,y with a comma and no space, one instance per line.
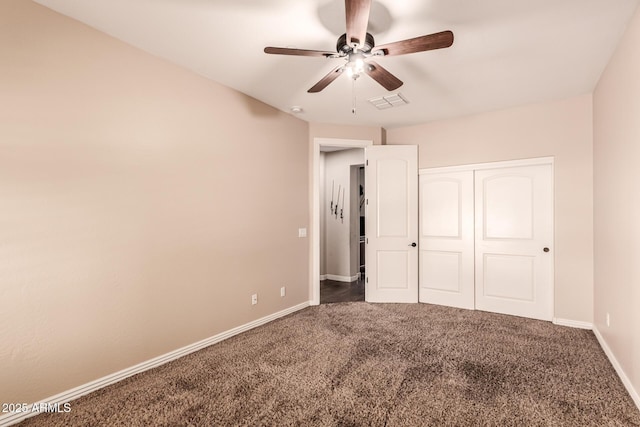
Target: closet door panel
514,237
446,238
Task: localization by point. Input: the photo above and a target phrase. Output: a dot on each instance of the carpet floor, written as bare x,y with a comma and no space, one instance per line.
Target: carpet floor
359,364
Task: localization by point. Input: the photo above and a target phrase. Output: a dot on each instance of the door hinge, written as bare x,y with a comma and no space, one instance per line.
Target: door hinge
367,280
366,162
367,240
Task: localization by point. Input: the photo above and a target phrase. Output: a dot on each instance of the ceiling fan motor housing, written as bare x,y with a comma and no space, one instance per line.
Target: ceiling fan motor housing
343,47
355,51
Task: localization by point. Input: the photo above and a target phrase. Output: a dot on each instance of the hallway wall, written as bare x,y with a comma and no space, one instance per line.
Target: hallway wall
338,233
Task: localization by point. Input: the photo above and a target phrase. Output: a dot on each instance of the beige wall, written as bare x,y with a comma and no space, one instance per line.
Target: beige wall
617,204
140,205
562,129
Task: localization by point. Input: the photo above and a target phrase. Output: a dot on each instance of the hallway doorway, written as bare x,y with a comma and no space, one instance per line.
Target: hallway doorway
349,271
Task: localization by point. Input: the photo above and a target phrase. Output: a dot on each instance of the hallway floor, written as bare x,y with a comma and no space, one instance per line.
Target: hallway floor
333,291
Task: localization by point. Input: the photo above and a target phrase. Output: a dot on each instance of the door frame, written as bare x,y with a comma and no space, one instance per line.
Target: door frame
490,165
314,273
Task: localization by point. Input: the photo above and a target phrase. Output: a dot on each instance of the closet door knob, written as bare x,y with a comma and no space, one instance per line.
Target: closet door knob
546,249
413,245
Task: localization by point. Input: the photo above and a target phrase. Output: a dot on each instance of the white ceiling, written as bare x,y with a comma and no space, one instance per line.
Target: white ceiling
505,53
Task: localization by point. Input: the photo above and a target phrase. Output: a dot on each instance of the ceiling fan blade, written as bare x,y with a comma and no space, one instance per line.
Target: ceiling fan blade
357,12
298,52
324,82
382,76
417,44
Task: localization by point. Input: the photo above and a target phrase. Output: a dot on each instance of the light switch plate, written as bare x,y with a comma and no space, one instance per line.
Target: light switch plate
302,232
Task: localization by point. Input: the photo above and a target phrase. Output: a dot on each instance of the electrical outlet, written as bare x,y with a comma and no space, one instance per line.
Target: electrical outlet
283,291
608,320
254,299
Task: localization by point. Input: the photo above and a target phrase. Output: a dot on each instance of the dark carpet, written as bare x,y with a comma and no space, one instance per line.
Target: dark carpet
358,364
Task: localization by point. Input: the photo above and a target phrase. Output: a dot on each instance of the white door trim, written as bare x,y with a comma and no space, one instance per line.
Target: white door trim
489,165
314,273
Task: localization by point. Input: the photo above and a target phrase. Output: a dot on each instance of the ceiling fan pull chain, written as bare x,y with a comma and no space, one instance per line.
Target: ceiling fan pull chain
353,93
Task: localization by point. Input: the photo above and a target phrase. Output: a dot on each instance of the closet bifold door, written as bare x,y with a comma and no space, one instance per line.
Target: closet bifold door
514,238
446,261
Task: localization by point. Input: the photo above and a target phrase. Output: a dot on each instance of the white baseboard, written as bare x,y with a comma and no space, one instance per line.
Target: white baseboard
323,277
616,365
74,393
612,358
573,323
342,278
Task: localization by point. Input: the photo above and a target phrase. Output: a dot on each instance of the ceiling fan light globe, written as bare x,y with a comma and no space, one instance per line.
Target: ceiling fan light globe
355,66
349,71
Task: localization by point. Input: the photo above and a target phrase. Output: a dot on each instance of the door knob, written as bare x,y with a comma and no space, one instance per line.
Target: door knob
413,245
546,249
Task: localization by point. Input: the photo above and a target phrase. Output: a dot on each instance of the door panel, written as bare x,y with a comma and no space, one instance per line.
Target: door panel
441,215
502,271
391,178
446,239
508,207
391,185
392,271
441,271
514,223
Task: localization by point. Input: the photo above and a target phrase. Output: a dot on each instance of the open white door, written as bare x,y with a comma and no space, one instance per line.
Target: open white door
391,176
514,241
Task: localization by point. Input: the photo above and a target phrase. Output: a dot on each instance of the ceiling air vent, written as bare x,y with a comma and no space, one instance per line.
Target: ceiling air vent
384,102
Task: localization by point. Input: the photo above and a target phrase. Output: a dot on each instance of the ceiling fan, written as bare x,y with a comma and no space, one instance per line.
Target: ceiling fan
357,46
